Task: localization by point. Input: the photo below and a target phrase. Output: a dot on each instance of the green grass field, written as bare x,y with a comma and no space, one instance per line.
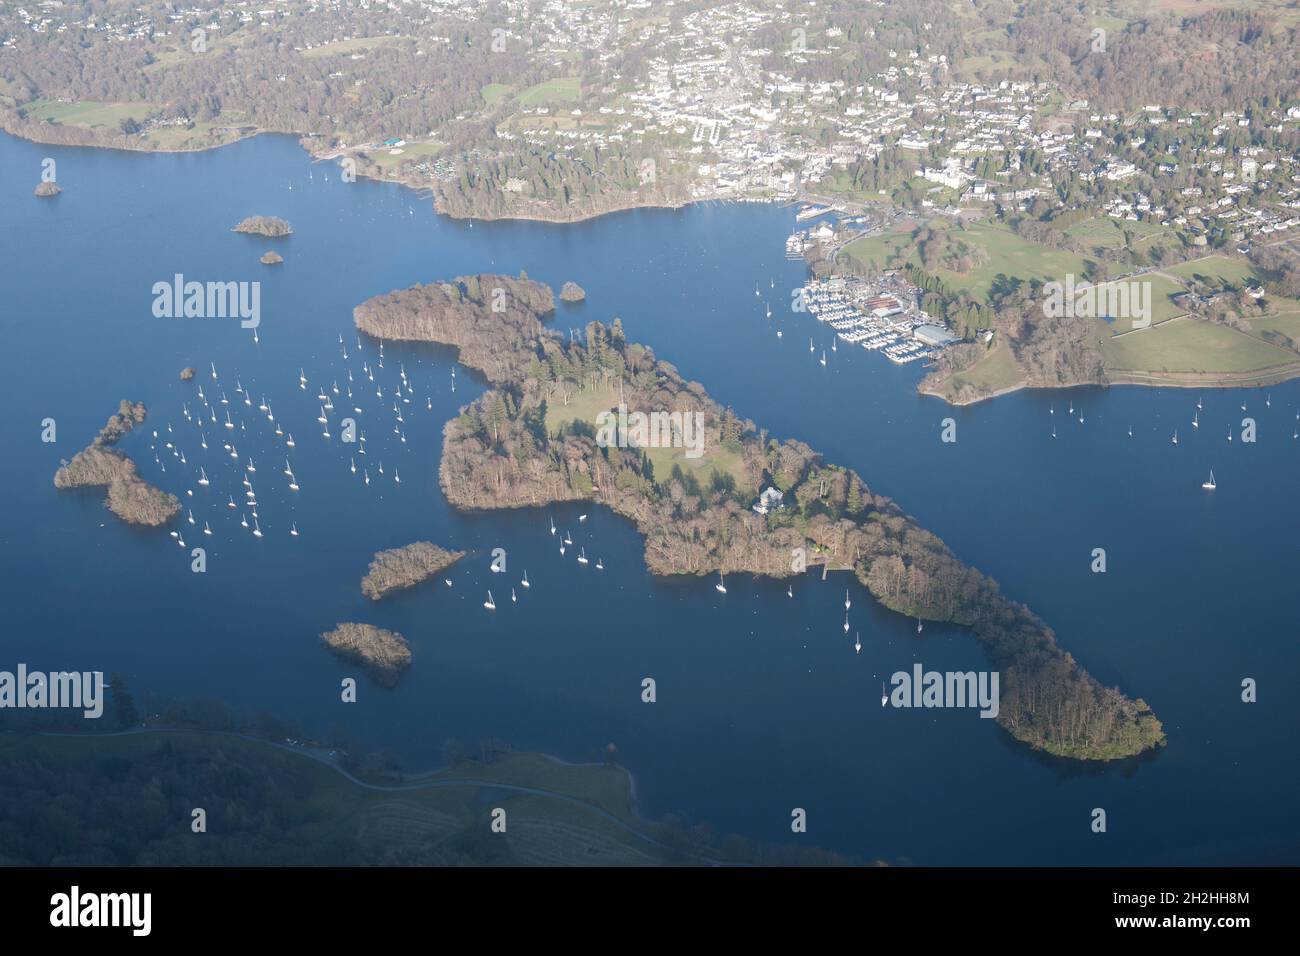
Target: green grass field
355,45
410,152
587,405
1235,272
1006,254
562,90
493,93
88,113
1190,345
1108,233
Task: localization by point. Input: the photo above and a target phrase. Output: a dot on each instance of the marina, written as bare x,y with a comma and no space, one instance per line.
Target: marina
878,316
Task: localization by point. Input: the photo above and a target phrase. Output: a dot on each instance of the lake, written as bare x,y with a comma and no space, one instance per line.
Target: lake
763,704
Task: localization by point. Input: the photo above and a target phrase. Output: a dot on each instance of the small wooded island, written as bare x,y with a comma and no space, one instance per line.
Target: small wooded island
404,567
269,226
572,292
129,497
48,189
271,258
383,654
530,440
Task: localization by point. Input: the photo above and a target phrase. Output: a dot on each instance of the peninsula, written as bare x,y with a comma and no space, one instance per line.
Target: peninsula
129,497
404,567
530,440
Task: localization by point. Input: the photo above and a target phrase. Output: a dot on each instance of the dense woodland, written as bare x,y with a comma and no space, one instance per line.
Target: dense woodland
500,454
98,465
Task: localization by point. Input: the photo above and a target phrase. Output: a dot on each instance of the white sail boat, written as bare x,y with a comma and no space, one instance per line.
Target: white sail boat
203,476
206,528
857,643
847,603
600,565
846,622
1196,423
1209,485
490,604
884,698
789,590
918,625
721,586
552,526
524,583
582,557
1175,438
823,358
512,595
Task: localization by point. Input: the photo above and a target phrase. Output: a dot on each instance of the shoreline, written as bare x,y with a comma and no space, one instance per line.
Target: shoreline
1260,379
7,119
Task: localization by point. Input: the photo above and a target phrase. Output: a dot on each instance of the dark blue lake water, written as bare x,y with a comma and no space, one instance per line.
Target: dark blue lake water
763,704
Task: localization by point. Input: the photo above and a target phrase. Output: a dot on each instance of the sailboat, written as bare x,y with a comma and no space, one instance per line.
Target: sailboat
1175,438
721,586
769,311
190,516
203,476
833,346
294,530
789,590
582,557
846,622
810,346
567,539
524,583
857,643
229,423
512,595
289,441
823,358
1195,420
396,477
847,603
206,528
1209,485
918,625
232,502
552,526
490,604
884,698
600,565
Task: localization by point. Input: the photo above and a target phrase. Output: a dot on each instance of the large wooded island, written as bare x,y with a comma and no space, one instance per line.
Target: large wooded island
532,440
